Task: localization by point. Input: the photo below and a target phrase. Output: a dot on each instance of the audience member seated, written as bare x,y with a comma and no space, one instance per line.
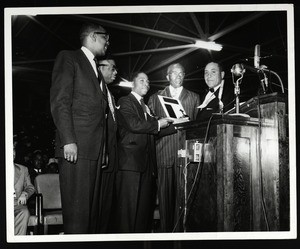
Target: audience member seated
23,190
52,166
38,162
37,165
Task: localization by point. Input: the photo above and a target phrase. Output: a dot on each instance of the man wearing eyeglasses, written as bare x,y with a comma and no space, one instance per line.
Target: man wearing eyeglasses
136,169
109,72
79,109
167,147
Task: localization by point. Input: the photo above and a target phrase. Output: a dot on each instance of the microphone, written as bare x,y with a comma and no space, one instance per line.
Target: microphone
256,56
238,69
252,69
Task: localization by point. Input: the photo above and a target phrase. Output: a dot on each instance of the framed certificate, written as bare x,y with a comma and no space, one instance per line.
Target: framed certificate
173,109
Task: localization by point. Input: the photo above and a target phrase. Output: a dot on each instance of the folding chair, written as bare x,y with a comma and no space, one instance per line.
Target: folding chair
34,219
47,185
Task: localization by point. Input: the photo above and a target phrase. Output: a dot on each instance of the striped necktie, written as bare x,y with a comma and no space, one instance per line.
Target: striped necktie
144,107
110,103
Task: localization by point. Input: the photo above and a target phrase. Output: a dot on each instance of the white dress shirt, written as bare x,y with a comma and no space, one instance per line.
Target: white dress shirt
138,97
90,57
175,92
210,96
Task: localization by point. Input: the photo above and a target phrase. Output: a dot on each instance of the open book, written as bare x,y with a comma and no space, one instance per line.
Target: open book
173,109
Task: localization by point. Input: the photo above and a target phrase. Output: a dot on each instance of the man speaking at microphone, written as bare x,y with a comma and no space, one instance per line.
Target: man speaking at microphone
220,96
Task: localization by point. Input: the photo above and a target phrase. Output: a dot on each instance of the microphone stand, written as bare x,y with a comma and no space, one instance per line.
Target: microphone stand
238,72
264,68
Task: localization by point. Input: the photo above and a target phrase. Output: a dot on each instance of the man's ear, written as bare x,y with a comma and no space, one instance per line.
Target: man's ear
222,74
168,78
93,36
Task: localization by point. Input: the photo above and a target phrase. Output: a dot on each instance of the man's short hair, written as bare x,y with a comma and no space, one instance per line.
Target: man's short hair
107,57
87,28
218,63
135,75
170,68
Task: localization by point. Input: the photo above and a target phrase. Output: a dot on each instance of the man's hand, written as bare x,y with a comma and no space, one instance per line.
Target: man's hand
70,152
165,122
22,199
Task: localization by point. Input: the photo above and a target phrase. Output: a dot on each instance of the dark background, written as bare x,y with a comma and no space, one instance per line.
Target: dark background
35,47
36,40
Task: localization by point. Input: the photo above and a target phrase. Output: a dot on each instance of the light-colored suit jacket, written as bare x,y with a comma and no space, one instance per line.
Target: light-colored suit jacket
22,182
167,147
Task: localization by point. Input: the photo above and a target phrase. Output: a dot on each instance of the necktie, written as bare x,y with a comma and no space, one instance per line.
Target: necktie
144,107
110,103
104,161
100,79
211,90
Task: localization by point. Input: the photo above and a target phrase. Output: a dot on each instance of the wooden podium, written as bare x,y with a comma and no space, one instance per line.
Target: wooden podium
239,180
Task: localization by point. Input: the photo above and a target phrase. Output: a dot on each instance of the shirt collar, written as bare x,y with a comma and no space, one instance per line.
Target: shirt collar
88,53
90,56
137,96
178,90
217,87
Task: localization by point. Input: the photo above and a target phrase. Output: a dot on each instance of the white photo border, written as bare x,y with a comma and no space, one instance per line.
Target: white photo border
9,12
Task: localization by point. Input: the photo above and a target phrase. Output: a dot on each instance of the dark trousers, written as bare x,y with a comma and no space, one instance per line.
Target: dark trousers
80,192
106,200
166,197
134,202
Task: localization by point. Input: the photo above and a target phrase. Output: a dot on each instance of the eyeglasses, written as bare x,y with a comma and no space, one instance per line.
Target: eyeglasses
105,35
113,67
143,80
181,74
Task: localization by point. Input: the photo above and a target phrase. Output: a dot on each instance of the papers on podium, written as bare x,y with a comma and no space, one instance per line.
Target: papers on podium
173,109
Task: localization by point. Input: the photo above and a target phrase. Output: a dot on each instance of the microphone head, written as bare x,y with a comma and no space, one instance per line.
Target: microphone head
238,69
257,56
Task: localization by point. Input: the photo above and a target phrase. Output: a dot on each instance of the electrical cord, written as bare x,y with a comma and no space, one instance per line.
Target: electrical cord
260,167
196,178
199,171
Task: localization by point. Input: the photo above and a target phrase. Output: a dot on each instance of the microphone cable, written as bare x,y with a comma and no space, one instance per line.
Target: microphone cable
260,166
198,174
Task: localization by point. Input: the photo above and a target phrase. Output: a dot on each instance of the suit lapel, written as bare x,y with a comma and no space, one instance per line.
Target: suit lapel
89,69
138,105
167,92
183,95
216,93
17,174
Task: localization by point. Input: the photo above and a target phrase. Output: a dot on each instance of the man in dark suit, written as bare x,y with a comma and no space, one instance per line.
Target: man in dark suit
134,188
220,96
167,147
23,190
108,70
79,109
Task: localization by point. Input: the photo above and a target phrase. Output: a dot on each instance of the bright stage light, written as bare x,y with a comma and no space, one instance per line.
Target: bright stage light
208,45
125,83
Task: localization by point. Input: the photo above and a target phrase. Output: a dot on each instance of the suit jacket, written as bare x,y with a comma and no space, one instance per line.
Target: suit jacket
167,147
213,106
136,145
112,128
77,105
22,182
